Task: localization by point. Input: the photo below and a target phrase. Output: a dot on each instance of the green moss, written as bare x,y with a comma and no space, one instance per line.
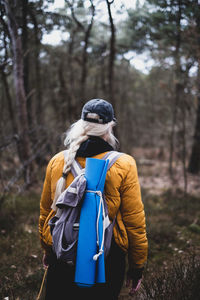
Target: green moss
195,228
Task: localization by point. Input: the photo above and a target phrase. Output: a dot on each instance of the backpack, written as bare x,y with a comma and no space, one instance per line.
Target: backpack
64,226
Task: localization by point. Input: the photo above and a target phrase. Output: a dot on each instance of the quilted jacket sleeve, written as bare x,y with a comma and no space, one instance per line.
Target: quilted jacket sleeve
45,202
133,216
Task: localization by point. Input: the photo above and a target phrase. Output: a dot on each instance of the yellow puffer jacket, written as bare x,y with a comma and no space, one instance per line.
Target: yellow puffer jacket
122,192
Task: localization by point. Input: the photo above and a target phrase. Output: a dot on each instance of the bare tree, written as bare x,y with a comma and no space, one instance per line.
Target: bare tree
5,74
21,109
38,89
72,107
178,88
111,74
194,164
9,99
87,33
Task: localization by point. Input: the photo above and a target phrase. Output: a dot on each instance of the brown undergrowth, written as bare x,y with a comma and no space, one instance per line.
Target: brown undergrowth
173,228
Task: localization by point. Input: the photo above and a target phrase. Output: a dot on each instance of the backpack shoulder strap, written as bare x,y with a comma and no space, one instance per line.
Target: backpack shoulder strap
76,168
112,156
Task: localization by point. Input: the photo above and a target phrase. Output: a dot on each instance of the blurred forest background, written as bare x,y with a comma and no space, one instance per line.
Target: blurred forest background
43,87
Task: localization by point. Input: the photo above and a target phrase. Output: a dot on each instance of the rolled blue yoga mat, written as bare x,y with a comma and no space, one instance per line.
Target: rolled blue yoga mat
88,271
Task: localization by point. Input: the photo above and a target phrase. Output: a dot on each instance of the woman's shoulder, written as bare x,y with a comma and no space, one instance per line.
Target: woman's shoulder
125,166
125,162
57,158
122,173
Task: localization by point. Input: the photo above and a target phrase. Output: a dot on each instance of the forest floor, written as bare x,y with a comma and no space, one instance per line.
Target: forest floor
173,227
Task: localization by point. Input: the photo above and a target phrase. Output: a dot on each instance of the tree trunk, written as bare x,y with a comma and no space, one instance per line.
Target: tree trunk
84,72
194,164
39,96
103,74
9,102
64,96
87,32
178,88
73,109
21,109
25,47
111,74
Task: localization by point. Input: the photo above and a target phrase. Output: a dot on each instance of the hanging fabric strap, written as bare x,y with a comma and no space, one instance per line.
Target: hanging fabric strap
101,205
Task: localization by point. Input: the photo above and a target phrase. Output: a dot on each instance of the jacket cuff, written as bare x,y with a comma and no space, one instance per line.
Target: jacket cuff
47,249
135,274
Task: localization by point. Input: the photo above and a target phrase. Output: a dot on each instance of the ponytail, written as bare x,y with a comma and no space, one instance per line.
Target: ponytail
75,136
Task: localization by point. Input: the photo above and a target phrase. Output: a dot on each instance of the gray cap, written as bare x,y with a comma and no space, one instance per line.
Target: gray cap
102,108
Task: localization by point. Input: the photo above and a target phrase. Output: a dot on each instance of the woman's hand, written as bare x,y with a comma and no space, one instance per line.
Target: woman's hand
45,261
134,285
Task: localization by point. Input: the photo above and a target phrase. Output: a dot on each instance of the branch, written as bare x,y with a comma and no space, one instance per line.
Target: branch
3,65
74,16
8,142
93,13
110,13
12,24
41,148
31,93
5,27
87,32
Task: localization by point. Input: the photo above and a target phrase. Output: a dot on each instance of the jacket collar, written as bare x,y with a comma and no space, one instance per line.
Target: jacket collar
93,146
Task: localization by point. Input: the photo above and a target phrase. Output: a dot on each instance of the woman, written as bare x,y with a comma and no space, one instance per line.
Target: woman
92,136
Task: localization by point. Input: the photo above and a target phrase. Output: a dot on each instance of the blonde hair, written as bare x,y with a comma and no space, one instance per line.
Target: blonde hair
75,136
